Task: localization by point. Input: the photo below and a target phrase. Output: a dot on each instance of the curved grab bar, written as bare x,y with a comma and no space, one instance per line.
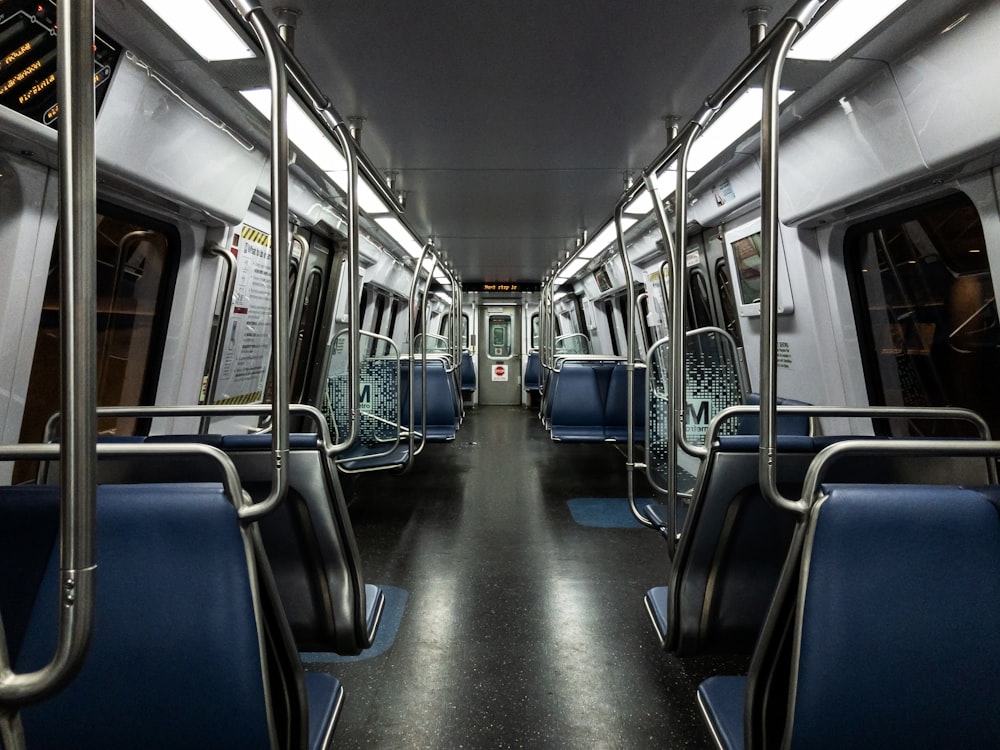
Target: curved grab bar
783,36
630,465
412,333
833,453
863,412
353,296
77,591
210,411
229,262
78,489
270,43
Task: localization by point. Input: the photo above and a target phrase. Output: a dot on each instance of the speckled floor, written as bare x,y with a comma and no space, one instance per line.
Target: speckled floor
522,629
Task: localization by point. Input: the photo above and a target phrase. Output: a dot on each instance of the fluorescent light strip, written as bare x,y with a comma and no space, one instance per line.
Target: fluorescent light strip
398,231
573,267
841,27
605,237
201,26
302,131
312,140
725,128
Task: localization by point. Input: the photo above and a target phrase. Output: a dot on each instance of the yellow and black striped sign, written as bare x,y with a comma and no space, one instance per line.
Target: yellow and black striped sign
243,398
255,235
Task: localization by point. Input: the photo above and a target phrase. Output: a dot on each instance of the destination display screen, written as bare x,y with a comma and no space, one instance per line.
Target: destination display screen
28,59
501,286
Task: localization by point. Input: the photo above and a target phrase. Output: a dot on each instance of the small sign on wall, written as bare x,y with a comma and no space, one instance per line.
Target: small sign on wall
500,373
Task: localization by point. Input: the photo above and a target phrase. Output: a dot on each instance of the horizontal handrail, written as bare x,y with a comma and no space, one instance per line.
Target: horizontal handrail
202,410
863,412
905,447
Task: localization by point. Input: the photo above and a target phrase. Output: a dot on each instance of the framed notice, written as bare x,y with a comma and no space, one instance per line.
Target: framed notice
246,348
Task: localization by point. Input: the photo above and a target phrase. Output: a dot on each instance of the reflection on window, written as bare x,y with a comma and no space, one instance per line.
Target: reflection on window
699,301
746,251
924,299
304,344
134,287
729,317
573,343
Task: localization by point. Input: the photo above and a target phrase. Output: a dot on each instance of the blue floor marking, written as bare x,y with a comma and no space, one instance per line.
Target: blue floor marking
392,617
604,512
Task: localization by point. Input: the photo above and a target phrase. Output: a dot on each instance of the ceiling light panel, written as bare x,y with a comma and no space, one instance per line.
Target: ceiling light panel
840,28
201,26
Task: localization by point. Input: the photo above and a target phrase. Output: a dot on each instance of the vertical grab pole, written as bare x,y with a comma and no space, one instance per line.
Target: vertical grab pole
677,401
78,358
423,352
349,146
418,310
271,44
786,33
629,370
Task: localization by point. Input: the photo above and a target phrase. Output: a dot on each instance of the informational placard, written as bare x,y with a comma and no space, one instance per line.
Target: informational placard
28,59
500,373
246,354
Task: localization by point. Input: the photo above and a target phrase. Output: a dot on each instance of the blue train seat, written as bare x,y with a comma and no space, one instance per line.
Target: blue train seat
310,543
309,538
468,372
616,405
442,417
577,405
378,444
884,630
532,373
548,388
586,402
731,548
179,656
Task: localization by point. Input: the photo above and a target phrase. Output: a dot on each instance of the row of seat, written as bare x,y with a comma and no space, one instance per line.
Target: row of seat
309,538
171,593
883,628
733,541
588,402
385,413
190,646
468,374
444,401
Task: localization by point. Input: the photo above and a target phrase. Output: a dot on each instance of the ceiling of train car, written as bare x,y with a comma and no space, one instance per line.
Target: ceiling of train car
510,126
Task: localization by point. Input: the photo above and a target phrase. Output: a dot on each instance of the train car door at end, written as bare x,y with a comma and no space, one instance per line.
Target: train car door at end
499,355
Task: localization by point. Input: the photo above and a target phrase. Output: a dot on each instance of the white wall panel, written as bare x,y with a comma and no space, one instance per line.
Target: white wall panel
146,133
855,147
951,89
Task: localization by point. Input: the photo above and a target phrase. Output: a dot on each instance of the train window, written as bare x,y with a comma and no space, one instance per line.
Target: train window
465,331
136,268
609,316
746,251
699,301
534,331
926,312
727,298
376,326
500,338
363,306
305,337
393,317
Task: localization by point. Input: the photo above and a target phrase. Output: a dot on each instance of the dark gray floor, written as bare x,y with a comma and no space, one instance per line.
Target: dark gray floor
522,629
